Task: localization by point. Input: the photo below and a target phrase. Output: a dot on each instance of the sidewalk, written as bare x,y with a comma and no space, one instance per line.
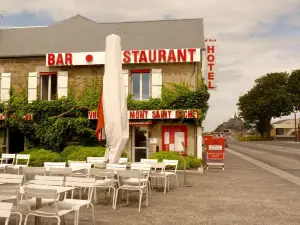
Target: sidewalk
241,194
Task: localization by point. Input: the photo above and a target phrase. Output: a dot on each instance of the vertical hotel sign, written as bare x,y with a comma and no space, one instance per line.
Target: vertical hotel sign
210,70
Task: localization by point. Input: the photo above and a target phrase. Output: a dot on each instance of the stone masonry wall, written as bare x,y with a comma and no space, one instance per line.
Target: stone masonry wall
78,75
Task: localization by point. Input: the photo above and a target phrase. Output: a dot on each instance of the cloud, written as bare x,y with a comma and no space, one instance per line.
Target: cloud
254,37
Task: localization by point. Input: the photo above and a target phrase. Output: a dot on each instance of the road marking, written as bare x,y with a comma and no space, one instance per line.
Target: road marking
271,169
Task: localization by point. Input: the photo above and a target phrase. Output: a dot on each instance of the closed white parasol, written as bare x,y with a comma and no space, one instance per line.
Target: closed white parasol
114,103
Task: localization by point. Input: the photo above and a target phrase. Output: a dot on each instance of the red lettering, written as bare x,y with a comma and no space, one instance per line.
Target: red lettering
146,114
210,58
169,114
152,55
132,115
171,56
181,55
95,115
209,85
153,115
90,115
210,76
51,59
143,57
135,55
162,55
190,114
210,49
126,57
192,52
59,60
68,59
210,65
164,114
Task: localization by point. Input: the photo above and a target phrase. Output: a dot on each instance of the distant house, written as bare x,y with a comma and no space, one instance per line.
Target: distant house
284,127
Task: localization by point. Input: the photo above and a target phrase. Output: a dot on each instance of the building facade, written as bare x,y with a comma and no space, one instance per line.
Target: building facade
48,61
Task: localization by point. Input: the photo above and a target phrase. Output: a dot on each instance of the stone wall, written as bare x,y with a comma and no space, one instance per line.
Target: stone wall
78,75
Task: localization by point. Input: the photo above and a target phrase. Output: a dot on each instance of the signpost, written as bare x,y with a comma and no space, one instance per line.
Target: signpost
215,148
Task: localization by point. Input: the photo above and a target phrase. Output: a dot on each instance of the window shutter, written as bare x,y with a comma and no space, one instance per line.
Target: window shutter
32,86
62,84
5,86
156,82
125,75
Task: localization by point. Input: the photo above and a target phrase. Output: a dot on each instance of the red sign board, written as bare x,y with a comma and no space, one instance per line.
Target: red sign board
215,148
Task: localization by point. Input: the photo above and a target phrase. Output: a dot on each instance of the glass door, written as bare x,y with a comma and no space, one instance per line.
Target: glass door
140,143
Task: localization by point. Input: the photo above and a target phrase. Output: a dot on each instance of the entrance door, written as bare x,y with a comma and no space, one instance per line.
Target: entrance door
140,143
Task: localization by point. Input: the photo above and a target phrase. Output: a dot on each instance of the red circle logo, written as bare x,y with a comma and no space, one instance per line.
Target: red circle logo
89,58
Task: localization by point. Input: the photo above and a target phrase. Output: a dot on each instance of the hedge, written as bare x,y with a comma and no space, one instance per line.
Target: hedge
72,152
253,138
39,156
191,161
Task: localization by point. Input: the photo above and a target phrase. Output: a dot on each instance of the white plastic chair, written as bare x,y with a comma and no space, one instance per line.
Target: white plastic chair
145,170
6,158
8,193
139,186
80,169
115,167
104,180
5,210
94,160
49,211
173,163
123,160
55,164
159,173
67,171
30,172
11,179
18,166
48,180
149,161
76,204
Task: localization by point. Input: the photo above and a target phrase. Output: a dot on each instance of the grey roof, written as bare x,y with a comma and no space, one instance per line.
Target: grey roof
79,34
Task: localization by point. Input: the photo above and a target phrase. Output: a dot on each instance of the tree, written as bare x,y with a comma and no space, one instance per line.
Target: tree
294,88
269,98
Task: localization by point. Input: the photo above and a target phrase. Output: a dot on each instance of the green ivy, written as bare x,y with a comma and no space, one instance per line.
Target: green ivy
176,96
57,122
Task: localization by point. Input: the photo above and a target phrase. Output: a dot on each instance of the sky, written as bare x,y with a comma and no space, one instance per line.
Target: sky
254,37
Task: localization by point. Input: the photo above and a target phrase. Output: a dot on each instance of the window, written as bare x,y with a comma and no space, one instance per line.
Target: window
48,84
141,84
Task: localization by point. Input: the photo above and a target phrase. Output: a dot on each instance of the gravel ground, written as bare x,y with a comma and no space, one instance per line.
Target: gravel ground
241,194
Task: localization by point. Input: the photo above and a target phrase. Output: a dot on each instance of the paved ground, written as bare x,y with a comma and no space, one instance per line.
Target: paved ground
241,194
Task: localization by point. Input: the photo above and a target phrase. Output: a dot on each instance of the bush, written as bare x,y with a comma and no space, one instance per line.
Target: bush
253,138
80,153
39,156
191,161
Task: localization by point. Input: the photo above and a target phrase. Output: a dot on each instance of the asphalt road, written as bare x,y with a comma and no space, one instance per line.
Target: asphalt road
279,154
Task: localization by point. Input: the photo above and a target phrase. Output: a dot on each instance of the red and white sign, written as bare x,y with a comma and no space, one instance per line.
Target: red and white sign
128,56
154,114
210,74
215,148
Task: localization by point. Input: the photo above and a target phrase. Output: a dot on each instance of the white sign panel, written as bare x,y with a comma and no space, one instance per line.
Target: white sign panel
215,147
182,55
